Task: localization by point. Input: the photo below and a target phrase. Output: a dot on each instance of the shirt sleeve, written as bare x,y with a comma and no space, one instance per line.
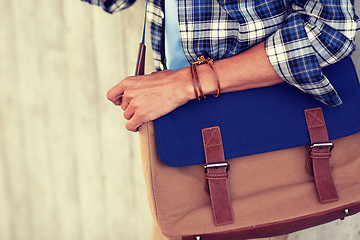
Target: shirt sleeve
111,6
315,34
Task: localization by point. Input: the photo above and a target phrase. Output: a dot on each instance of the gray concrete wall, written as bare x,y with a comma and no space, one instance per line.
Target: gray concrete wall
68,168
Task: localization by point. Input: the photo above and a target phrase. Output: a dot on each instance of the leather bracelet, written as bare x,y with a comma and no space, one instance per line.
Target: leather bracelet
194,83
210,62
197,81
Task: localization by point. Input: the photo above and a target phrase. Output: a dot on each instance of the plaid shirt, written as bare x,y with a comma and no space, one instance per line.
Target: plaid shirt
301,36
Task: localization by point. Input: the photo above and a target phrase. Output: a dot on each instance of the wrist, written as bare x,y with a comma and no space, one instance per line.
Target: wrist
207,79
184,76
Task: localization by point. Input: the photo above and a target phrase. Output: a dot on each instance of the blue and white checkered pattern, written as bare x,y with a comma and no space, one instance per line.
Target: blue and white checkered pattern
111,6
301,36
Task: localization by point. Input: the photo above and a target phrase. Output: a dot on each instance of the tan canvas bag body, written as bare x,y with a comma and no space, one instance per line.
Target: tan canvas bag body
266,192
271,193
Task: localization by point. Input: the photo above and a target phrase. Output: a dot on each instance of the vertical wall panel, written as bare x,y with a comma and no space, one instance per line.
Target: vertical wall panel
5,20
82,82
120,158
53,27
38,177
14,168
4,195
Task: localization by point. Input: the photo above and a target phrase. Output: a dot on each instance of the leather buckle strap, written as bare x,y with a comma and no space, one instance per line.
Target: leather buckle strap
216,175
318,163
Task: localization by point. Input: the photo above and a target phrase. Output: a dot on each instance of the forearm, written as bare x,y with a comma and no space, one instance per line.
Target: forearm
250,69
148,97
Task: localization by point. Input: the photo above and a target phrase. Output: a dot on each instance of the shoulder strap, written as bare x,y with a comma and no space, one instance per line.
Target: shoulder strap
140,63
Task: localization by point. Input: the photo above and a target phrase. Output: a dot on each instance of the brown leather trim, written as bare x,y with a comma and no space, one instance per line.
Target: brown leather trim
281,227
217,176
319,157
140,63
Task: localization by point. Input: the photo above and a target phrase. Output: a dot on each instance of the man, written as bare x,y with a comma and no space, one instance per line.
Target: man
276,41
253,44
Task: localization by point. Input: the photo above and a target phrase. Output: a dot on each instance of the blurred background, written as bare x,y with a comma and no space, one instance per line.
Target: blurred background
68,168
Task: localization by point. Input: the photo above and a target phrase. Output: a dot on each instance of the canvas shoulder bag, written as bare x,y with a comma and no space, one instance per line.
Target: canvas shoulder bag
271,170
257,163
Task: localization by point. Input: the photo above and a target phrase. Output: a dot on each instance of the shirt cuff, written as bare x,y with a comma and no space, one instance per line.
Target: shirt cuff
293,58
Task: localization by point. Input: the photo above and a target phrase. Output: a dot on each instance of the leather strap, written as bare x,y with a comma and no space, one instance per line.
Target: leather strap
195,77
285,226
194,82
140,63
210,62
217,176
318,162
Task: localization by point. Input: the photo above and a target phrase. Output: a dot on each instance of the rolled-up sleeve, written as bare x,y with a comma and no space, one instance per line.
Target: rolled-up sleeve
111,6
316,33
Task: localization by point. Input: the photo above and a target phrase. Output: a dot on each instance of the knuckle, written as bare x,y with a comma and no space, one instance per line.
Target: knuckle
126,82
141,115
129,94
136,106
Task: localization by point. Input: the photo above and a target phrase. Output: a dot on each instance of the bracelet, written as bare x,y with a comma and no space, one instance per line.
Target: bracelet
210,62
196,82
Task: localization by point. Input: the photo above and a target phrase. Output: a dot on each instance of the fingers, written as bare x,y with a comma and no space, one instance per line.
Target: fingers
118,101
129,112
124,94
115,94
135,117
134,123
125,102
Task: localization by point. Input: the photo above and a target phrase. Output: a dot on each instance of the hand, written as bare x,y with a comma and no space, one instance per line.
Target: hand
147,97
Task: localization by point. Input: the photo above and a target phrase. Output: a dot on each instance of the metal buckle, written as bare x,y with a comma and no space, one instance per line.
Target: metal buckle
217,165
321,145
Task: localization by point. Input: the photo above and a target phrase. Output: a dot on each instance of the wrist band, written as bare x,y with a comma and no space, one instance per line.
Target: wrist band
210,62
196,82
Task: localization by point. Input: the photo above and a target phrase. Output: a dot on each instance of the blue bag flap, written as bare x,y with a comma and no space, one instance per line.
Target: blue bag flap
257,120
